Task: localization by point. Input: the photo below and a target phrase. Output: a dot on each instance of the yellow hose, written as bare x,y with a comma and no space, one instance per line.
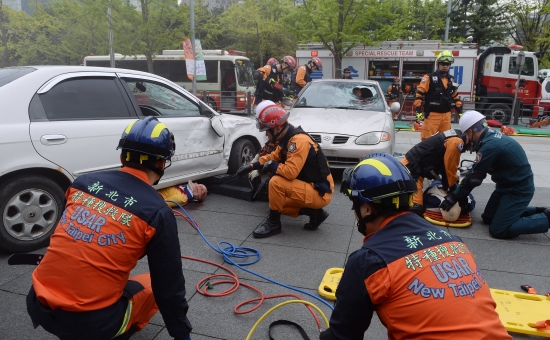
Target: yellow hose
280,305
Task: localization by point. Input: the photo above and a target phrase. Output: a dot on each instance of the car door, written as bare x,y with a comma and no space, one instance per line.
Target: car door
77,119
199,148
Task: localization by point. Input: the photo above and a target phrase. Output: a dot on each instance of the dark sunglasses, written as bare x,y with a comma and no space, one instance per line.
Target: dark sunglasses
444,64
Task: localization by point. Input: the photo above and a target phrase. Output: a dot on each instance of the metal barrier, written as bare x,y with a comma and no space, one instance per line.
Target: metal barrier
495,108
500,109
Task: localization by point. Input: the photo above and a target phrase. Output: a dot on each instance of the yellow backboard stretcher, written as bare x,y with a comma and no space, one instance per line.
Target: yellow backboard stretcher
518,311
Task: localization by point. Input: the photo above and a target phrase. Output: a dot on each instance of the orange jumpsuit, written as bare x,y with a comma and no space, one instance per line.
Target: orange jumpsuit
440,154
111,220
422,282
266,89
287,194
303,75
437,121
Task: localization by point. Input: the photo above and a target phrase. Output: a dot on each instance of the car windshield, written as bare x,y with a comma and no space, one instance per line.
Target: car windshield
9,74
343,95
244,72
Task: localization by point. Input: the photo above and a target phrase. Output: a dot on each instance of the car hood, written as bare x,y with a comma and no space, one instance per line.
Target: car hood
337,121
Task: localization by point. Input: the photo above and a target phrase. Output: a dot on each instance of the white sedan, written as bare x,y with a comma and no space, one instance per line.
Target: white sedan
348,126
61,122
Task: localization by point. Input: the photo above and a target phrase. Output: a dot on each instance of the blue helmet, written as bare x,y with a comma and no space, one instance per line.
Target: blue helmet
376,177
148,137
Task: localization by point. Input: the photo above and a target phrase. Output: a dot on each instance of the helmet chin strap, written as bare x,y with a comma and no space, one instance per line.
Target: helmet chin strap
275,135
363,220
155,170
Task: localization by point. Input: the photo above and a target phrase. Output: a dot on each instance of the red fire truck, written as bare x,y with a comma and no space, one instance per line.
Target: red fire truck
488,81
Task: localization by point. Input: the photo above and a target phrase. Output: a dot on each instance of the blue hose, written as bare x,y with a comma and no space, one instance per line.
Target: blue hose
231,251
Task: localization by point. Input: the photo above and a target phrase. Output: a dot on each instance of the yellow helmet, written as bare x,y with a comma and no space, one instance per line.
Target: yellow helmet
445,57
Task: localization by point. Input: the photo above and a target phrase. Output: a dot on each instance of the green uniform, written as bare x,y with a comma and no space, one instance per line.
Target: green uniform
507,211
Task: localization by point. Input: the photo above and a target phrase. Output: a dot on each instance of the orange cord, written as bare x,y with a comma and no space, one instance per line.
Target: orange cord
232,278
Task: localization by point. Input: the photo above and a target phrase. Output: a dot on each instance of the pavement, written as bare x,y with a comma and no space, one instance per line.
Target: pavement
299,258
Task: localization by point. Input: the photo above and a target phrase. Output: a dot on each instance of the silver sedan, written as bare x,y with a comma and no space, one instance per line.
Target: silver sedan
349,119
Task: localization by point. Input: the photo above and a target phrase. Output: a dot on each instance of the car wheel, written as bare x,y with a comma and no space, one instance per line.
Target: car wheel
31,207
499,112
242,153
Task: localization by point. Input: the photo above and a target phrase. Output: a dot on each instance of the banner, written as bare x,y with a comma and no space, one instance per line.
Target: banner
190,59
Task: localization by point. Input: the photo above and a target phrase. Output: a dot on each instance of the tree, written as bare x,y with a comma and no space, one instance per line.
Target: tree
36,38
259,27
338,24
426,19
156,25
528,24
4,36
484,20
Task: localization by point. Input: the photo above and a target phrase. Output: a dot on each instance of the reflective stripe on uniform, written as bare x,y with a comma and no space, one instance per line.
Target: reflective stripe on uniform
125,320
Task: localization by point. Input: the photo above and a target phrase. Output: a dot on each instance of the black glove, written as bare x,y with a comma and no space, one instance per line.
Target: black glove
243,170
449,201
270,166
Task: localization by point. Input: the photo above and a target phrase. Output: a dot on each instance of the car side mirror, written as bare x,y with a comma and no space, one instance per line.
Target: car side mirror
395,107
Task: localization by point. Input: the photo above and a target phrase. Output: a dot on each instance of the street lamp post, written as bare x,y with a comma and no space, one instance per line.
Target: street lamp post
111,38
192,14
447,22
519,63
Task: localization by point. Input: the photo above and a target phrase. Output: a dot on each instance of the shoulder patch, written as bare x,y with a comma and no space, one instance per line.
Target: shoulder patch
291,147
423,80
460,147
302,67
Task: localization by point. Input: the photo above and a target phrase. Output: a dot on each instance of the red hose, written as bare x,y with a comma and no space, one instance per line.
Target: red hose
215,279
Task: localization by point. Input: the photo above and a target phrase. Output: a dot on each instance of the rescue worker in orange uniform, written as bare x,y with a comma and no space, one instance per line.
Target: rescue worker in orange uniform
82,289
422,281
271,61
440,94
436,156
303,74
302,184
269,86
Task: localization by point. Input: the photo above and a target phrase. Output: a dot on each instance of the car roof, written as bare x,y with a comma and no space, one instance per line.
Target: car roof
364,81
79,68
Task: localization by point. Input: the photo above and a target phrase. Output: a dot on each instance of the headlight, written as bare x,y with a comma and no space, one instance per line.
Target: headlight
372,138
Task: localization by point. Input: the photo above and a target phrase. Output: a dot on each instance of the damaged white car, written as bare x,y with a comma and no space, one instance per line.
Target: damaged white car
61,122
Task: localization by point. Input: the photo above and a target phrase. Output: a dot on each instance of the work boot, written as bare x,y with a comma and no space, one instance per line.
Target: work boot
316,217
417,209
546,211
486,219
272,226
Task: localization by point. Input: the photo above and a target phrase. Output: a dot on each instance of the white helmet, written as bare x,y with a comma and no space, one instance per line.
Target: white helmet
468,119
262,106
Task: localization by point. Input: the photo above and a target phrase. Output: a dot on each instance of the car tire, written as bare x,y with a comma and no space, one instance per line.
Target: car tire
499,112
242,152
31,207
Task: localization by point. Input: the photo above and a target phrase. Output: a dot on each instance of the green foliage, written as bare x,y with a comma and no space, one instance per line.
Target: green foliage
338,24
426,20
483,20
257,27
66,30
529,25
